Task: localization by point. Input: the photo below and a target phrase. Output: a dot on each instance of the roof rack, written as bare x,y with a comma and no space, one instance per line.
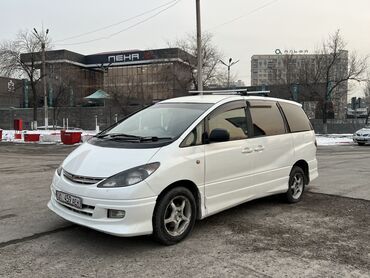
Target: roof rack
241,92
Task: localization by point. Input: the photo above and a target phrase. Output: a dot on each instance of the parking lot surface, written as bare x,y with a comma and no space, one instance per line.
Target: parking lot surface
322,236
344,171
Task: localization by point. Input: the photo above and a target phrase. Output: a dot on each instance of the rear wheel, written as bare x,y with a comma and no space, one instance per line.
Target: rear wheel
296,185
174,216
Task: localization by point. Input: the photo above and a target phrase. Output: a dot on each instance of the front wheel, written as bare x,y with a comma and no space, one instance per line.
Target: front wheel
174,216
296,185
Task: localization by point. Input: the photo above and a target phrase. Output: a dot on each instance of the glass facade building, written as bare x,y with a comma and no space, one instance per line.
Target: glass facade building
129,77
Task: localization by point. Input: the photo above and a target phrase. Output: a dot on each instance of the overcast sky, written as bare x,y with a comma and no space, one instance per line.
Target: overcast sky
241,28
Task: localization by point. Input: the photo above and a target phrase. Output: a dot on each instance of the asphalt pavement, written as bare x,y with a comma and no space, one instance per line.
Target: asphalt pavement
325,235
343,171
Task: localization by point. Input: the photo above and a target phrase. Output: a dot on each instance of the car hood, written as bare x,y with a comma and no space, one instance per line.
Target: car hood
363,131
101,162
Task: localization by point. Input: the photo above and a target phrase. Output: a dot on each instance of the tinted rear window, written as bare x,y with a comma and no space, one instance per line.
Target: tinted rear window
267,119
296,117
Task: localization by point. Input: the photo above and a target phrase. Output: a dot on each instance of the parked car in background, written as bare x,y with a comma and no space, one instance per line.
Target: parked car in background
362,136
179,160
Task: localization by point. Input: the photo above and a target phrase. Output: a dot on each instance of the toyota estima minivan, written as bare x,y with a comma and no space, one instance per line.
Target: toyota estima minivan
183,159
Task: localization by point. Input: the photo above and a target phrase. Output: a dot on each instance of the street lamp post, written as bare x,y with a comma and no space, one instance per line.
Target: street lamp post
42,40
199,49
229,65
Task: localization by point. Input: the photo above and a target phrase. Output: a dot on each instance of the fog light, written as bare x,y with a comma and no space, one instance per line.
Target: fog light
114,213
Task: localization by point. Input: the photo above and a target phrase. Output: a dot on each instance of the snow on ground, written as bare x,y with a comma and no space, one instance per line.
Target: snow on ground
53,136
46,136
333,139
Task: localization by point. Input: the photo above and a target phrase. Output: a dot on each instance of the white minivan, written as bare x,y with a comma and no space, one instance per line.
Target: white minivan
183,159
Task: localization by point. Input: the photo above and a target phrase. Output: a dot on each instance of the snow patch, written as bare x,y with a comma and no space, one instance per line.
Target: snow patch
46,136
334,139
53,136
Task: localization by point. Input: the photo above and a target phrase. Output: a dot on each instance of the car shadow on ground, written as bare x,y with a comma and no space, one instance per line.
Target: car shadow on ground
319,227
101,240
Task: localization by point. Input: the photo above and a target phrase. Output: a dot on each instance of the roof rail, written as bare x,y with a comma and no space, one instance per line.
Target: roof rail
241,92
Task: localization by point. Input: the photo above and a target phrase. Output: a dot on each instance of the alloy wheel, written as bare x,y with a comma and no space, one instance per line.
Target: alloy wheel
297,185
177,215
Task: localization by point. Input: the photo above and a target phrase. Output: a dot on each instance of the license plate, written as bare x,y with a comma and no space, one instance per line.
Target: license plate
69,199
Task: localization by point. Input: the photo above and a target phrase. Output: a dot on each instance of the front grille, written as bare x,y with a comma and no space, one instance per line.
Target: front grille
88,207
81,179
76,210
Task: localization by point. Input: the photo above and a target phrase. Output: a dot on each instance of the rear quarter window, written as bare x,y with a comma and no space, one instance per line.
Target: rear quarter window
296,117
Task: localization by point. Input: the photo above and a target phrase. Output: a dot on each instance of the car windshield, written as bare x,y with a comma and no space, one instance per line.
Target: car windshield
162,120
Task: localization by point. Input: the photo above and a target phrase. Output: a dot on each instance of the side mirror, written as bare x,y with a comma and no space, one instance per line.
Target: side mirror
219,135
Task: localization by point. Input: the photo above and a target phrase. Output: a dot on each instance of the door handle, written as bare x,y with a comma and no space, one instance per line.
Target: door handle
247,150
259,148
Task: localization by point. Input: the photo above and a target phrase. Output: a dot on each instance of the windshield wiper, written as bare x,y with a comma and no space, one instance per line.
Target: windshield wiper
130,137
119,135
154,138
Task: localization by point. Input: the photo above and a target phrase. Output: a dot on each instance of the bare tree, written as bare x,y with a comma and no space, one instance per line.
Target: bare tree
125,93
333,76
212,70
62,93
367,96
367,90
11,64
325,75
289,74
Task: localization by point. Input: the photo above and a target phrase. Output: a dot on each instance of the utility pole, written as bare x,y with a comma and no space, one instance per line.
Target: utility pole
199,49
42,39
229,65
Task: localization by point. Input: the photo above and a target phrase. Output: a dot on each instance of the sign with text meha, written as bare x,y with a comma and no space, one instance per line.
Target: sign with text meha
119,58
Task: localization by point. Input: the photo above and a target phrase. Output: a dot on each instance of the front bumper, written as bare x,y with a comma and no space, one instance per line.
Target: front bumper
359,139
137,220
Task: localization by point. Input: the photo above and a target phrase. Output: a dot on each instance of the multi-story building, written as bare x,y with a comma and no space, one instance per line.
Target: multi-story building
136,76
130,80
298,77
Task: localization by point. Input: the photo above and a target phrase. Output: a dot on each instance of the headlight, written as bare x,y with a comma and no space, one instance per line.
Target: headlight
59,170
131,176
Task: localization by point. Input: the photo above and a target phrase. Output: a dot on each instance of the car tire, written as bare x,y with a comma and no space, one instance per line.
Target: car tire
174,216
360,144
296,185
